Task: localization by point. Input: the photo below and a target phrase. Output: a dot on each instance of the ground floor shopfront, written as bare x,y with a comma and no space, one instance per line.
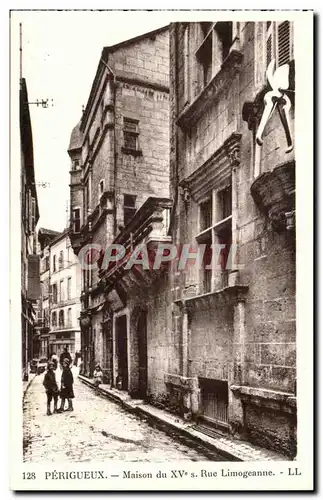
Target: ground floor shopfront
59,339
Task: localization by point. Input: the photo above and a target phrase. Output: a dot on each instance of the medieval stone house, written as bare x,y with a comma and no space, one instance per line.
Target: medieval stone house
119,164
214,342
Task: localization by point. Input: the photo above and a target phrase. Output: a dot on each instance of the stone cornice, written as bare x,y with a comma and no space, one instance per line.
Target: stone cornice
191,114
216,169
219,298
257,396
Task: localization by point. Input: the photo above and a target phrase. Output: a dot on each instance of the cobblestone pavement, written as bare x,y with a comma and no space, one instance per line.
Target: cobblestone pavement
97,430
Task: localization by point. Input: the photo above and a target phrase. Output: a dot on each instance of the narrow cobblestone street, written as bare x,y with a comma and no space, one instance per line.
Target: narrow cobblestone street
97,430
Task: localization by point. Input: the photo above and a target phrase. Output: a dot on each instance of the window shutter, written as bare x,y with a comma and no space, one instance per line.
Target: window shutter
284,44
269,45
33,277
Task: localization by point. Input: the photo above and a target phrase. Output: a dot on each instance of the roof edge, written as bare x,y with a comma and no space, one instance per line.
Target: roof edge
105,56
149,34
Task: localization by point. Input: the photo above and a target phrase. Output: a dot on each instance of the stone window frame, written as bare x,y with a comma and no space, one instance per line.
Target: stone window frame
131,129
213,49
219,226
75,219
127,209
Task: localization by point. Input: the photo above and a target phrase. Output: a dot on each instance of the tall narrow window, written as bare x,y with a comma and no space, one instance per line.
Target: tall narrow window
69,317
130,135
69,288
76,220
206,214
61,318
61,290
224,231
205,238
129,207
54,288
75,164
54,263
61,260
214,48
54,319
101,188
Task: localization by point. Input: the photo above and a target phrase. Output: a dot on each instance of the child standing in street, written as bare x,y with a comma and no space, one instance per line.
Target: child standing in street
66,387
98,376
51,387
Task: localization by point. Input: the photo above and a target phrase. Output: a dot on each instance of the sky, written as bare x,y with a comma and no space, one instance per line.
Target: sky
61,52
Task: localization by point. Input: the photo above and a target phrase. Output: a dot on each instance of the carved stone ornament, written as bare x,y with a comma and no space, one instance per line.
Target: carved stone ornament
274,193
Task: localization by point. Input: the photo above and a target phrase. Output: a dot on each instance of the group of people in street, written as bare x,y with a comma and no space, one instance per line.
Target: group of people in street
66,391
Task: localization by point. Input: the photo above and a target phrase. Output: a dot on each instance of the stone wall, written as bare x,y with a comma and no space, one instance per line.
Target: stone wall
211,335
148,173
146,59
268,257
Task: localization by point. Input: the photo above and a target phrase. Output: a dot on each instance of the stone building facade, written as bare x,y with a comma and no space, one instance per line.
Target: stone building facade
64,305
119,159
45,236
216,341
30,286
234,186
213,340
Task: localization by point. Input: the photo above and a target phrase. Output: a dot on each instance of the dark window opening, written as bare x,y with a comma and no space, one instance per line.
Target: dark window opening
225,199
130,134
76,220
61,318
224,30
54,294
214,398
225,238
76,164
206,214
129,207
